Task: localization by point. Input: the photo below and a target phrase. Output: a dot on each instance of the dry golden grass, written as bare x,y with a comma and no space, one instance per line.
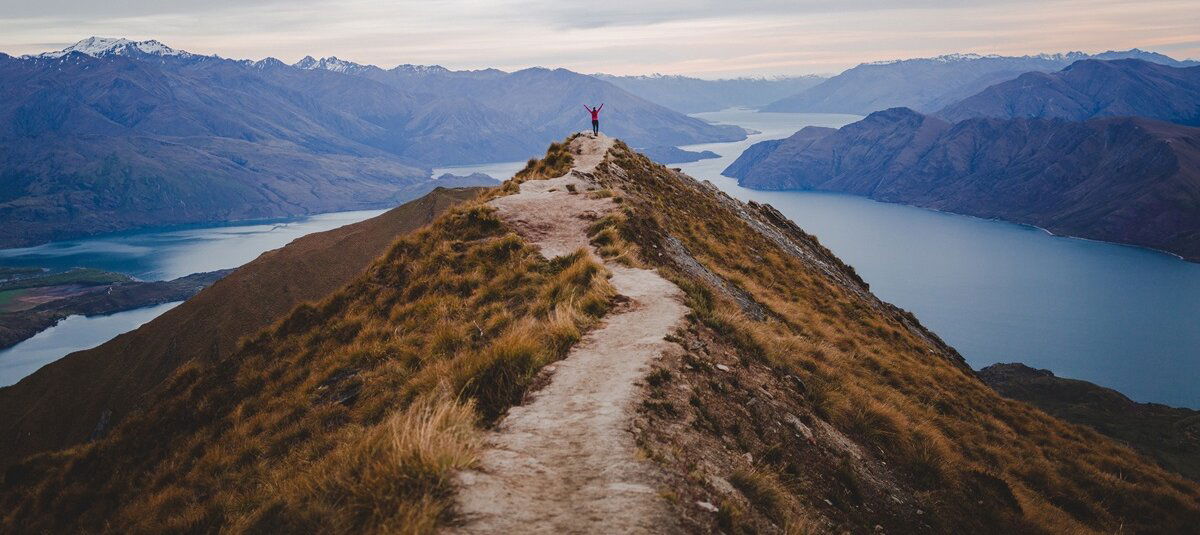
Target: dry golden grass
351,414
881,379
347,416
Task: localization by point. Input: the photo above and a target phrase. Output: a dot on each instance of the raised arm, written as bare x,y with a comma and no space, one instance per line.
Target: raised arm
601,107
585,106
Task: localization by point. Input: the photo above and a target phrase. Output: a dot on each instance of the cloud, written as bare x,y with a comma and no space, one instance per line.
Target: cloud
702,37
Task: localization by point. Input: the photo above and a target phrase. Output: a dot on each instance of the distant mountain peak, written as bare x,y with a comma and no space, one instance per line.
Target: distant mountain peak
420,69
116,46
968,56
331,63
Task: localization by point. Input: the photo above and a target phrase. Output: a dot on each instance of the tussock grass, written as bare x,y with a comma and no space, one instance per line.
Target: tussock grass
557,162
890,385
347,416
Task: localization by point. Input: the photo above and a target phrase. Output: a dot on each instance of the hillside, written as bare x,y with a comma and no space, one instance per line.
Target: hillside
1088,89
786,398
109,134
694,95
929,84
1123,179
1169,435
536,105
110,381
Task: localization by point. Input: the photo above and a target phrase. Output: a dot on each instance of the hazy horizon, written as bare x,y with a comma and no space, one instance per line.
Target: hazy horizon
691,38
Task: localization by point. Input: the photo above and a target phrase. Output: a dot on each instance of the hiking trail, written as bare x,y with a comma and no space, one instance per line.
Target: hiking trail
566,461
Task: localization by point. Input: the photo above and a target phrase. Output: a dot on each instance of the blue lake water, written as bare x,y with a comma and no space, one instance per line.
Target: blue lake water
148,254
1123,317
168,253
70,335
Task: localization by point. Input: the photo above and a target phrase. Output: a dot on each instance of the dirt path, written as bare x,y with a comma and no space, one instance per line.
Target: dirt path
566,462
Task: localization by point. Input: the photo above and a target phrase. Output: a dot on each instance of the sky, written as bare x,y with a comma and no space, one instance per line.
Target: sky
705,38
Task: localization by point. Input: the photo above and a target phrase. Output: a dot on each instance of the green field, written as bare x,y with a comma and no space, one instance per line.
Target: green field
82,276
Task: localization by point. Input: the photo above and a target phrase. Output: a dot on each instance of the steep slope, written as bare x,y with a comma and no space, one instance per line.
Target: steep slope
1088,89
1168,435
793,400
109,381
694,95
1125,180
928,84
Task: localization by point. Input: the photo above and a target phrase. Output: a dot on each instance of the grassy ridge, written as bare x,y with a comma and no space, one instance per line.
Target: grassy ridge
880,378
348,415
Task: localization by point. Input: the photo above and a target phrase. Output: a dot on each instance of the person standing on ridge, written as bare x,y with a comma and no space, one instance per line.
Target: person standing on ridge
595,117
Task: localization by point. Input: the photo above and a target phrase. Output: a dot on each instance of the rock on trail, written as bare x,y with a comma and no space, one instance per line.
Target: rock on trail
566,462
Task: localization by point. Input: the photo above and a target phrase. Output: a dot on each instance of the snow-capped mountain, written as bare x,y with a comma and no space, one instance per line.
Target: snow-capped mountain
332,63
1066,57
116,46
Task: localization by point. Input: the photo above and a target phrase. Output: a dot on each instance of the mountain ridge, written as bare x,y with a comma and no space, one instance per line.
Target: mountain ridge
929,84
1091,88
115,134
1118,179
790,397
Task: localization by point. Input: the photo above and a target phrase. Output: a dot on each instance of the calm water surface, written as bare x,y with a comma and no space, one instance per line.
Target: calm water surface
154,254
70,335
1122,317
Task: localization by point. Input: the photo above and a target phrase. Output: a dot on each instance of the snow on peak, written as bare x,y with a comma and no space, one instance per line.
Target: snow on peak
113,46
331,63
420,69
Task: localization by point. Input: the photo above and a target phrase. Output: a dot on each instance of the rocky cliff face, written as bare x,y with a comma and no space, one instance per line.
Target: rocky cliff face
1089,89
1125,180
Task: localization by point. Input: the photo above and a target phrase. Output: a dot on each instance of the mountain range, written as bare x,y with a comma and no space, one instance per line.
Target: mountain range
930,84
110,134
1120,179
1091,88
695,95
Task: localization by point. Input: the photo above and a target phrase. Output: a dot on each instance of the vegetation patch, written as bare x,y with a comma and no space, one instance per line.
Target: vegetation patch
874,385
347,416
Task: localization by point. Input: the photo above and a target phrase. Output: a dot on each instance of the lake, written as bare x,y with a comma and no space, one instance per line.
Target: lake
148,254
1119,316
1122,317
70,335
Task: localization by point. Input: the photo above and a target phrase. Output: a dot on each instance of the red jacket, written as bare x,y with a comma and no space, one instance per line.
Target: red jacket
595,112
